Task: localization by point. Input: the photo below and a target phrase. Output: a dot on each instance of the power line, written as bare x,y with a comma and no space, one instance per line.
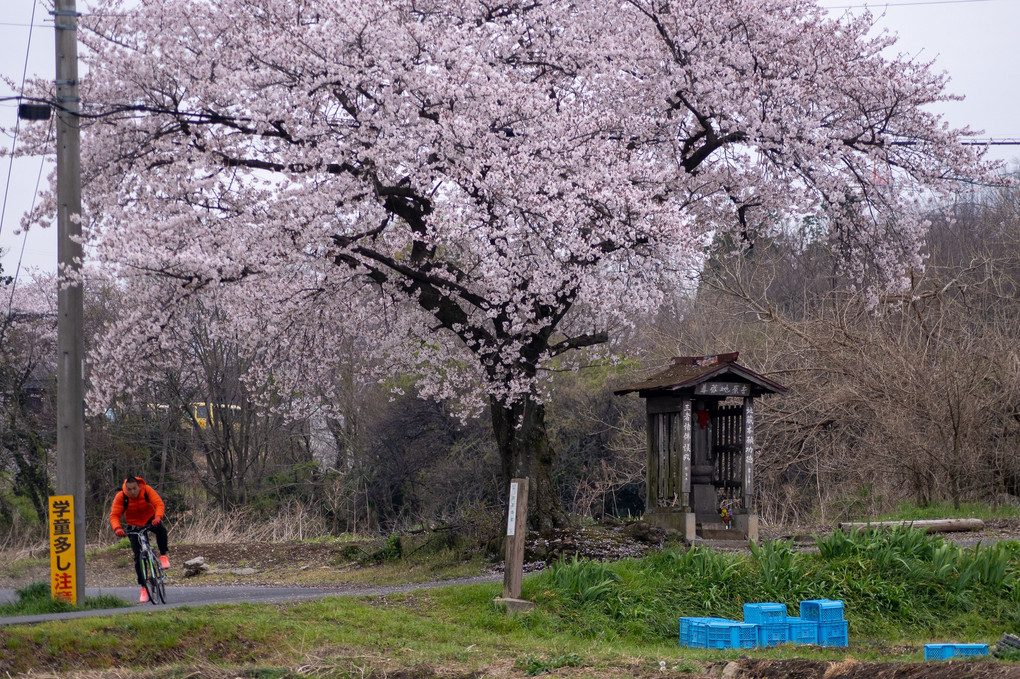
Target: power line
991,142
24,240
911,3
118,109
17,125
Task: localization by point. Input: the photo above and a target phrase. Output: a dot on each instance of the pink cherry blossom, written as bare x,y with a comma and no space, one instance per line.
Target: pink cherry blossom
474,189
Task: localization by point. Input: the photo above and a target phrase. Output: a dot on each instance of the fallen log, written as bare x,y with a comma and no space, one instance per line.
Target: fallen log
930,525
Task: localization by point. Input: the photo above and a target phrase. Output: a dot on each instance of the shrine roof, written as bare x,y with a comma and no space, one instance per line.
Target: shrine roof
689,371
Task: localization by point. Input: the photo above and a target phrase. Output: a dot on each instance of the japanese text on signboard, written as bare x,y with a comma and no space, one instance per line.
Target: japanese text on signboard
62,560
722,389
511,519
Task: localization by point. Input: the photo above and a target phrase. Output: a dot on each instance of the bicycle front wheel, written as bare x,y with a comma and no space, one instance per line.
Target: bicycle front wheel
149,571
161,588
150,590
158,580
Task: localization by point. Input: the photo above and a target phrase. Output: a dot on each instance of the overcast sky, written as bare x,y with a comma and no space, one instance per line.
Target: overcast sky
975,41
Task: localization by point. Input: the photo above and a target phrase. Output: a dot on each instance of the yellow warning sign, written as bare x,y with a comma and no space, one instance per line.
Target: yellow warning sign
62,565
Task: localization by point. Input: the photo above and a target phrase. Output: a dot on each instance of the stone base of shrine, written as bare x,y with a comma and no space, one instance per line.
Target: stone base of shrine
743,527
748,525
719,531
678,520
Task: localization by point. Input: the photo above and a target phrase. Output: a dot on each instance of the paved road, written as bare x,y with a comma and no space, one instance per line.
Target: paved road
202,596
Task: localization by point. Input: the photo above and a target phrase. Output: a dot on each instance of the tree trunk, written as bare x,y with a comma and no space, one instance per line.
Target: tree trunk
525,452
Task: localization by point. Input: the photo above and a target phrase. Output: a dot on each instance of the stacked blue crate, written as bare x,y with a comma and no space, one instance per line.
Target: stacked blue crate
947,651
822,610
765,613
834,634
766,624
731,634
802,631
832,627
694,631
771,621
686,625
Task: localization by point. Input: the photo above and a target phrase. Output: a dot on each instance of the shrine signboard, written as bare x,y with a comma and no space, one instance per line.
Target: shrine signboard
722,389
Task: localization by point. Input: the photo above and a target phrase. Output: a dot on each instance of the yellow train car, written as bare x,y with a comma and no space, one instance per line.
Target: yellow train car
203,414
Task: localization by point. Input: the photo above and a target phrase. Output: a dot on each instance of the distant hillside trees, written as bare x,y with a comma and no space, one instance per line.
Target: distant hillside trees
911,396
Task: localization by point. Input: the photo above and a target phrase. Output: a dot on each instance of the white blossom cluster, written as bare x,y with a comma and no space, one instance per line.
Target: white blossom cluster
467,190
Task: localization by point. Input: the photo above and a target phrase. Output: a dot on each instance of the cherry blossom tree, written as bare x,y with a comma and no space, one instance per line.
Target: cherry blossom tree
474,189
27,363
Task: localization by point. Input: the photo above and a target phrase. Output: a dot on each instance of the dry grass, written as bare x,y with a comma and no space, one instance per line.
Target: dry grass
207,527
215,526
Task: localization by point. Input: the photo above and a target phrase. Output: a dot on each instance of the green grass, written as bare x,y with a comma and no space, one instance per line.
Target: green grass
123,543
35,599
901,589
458,629
901,586
907,511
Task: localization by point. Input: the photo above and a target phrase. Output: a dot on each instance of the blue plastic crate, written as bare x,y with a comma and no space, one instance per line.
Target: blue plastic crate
765,613
833,633
970,650
802,631
939,651
693,631
822,610
947,651
731,635
685,631
773,635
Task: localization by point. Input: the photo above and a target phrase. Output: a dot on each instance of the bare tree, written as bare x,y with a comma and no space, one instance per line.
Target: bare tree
912,396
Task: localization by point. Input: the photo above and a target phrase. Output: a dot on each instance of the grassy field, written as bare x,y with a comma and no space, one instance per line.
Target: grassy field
35,599
901,589
448,632
909,511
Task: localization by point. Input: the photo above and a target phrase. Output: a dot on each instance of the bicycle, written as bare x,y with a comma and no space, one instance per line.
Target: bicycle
152,572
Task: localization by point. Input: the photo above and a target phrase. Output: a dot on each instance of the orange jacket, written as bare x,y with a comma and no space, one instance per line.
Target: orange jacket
139,511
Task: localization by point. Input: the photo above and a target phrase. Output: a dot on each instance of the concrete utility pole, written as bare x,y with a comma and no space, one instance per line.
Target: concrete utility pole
70,378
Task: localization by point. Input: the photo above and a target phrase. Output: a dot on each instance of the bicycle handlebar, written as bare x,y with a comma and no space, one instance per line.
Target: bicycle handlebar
137,529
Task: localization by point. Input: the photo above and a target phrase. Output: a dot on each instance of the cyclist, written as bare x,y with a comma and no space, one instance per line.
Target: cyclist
141,506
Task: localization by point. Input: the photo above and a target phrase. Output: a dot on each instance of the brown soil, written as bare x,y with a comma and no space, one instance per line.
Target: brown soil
747,668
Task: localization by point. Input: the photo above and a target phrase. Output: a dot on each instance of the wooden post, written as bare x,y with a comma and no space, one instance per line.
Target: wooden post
652,473
516,530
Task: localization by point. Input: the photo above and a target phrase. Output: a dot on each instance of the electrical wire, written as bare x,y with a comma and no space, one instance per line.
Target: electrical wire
910,3
24,240
17,125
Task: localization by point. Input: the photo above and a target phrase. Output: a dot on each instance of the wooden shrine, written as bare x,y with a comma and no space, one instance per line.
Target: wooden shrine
701,445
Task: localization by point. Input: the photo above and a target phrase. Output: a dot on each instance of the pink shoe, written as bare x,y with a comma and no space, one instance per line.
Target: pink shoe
164,561
144,596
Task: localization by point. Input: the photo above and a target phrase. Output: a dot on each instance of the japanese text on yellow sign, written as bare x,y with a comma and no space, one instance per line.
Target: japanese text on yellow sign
62,566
